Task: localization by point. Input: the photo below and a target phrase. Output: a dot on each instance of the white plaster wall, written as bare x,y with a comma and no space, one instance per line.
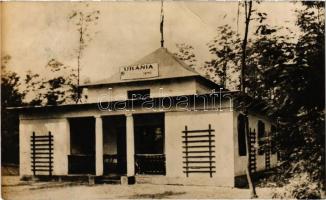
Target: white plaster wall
241,161
175,123
119,92
61,144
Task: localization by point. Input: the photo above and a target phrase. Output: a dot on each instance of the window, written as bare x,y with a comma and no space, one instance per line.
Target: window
273,134
139,94
261,135
242,135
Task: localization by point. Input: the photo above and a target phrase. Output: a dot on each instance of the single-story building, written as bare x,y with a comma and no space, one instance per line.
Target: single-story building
156,121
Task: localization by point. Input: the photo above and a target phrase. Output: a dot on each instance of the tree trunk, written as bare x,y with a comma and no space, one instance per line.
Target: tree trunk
248,11
251,184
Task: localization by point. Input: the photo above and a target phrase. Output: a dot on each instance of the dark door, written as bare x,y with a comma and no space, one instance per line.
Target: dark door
149,143
114,142
82,146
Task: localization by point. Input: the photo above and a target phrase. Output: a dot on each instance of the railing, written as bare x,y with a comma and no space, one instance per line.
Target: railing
110,163
114,164
150,164
42,154
81,164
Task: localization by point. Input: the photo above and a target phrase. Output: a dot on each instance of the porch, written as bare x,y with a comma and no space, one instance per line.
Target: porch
117,145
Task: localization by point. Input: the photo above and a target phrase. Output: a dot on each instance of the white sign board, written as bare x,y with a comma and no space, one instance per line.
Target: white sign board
139,71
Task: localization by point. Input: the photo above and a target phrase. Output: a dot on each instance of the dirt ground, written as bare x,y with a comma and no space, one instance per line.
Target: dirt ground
13,188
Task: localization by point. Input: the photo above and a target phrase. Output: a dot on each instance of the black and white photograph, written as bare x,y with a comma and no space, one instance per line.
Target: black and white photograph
162,99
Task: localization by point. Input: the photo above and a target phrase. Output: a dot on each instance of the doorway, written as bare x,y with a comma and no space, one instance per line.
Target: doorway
82,146
149,143
114,145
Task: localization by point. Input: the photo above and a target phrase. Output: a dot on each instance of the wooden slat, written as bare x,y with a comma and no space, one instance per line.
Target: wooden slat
40,161
198,156
200,161
198,136
40,153
43,166
198,171
198,141
199,151
42,144
37,157
41,149
196,131
199,167
43,170
199,146
42,136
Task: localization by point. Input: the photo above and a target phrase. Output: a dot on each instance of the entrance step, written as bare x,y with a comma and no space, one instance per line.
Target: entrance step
108,180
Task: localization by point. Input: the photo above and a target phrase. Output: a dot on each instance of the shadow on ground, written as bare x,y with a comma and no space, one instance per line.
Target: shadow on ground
156,195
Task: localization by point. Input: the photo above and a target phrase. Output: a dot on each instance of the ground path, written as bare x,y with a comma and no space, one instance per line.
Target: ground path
13,189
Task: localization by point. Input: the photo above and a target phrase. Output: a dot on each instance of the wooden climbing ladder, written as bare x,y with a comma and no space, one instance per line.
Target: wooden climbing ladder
42,154
199,151
252,153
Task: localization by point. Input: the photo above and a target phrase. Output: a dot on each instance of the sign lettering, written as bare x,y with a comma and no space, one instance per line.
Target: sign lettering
139,71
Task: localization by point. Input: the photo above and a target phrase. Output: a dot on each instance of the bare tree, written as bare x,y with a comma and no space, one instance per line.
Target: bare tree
83,22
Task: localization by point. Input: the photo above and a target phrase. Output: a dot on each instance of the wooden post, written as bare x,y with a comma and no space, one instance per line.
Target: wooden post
210,150
50,154
33,151
186,144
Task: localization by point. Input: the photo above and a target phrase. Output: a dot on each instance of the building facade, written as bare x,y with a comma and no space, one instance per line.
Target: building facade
155,121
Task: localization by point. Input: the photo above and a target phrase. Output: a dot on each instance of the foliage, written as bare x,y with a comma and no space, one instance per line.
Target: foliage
226,51
290,76
10,97
186,54
58,88
299,187
287,71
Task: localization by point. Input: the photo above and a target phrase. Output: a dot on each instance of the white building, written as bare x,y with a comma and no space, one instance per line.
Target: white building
180,132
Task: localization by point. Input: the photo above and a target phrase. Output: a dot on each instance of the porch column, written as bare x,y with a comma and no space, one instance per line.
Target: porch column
130,146
98,146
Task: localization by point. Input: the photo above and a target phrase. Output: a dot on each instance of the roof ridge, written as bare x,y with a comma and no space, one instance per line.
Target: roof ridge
182,63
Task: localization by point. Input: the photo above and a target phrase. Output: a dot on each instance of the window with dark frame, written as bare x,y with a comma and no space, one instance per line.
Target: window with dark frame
139,94
242,135
261,137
